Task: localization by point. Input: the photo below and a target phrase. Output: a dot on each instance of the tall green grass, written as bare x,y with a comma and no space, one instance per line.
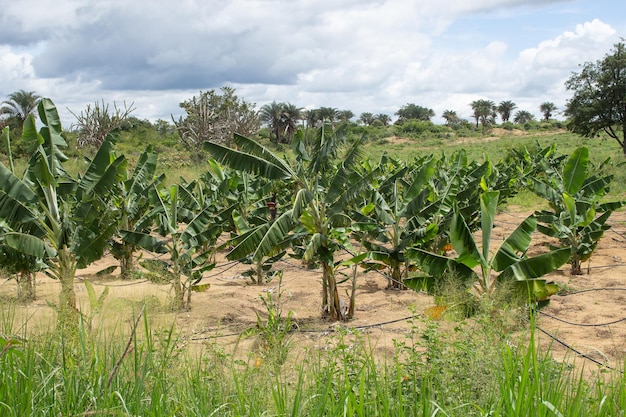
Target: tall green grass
472,368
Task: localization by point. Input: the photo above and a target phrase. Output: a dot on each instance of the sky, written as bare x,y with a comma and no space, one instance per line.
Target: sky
360,55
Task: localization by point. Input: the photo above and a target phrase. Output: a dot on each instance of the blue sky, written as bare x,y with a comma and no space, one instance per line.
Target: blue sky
362,55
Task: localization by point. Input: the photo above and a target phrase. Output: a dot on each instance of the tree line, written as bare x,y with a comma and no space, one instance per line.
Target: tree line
597,106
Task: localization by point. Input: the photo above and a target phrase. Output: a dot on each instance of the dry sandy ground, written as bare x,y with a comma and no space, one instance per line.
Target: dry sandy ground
591,322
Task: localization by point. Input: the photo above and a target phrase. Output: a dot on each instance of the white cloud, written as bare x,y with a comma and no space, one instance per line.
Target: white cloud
363,55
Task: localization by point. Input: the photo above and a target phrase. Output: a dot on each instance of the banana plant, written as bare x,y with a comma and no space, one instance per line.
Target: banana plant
386,225
191,231
64,221
576,216
510,260
132,201
317,215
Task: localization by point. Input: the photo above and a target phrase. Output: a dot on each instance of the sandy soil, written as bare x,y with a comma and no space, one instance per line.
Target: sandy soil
591,322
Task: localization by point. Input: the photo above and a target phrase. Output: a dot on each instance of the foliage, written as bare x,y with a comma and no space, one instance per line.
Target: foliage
412,111
505,108
599,100
523,117
215,116
484,112
20,104
95,123
63,221
576,215
547,108
192,229
509,260
282,119
133,203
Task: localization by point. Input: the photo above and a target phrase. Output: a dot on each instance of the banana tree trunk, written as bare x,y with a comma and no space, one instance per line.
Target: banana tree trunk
25,286
127,262
68,313
333,303
395,283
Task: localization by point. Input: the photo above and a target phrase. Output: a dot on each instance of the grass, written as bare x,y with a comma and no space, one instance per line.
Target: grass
471,368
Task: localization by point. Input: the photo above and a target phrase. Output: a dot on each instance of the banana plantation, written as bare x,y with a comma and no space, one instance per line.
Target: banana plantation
417,221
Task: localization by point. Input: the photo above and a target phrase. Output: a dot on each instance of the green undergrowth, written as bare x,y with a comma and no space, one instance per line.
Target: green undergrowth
475,367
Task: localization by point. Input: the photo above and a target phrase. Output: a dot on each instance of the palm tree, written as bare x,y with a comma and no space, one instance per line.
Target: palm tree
329,114
450,117
522,117
505,108
20,104
345,115
366,118
546,109
272,115
484,112
385,119
290,117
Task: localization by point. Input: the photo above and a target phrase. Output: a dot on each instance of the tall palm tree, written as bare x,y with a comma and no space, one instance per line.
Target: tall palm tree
505,108
484,112
272,115
547,109
20,104
345,115
290,116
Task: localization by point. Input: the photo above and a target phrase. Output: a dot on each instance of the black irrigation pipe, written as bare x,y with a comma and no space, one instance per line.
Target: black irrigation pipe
582,324
319,331
579,353
591,290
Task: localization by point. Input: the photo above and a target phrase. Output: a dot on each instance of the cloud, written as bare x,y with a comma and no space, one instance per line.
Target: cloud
363,55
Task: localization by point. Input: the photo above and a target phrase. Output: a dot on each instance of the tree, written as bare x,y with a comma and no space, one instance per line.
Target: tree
64,221
599,101
484,112
366,118
522,117
324,188
451,118
547,109
95,123
413,111
383,118
329,114
505,108
345,115
215,116
282,119
20,104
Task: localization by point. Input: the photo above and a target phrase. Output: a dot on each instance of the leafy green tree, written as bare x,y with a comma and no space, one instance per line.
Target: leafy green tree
20,104
215,116
383,118
522,117
65,222
505,108
599,100
329,115
547,108
367,118
451,118
484,112
272,115
345,115
412,111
